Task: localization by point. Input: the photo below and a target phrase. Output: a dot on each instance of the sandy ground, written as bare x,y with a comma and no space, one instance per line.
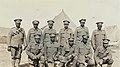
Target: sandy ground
5,57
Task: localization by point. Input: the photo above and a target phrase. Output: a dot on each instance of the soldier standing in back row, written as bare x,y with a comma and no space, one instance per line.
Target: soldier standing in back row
98,35
16,41
65,33
81,30
48,31
34,31
34,51
103,54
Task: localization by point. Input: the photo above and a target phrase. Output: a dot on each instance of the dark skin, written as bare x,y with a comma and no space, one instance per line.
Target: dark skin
37,40
52,39
18,24
84,40
50,26
82,23
71,43
35,26
105,45
99,26
66,26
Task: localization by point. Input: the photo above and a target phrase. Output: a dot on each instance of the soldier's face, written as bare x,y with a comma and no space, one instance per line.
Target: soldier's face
52,39
66,26
99,27
17,25
82,23
85,40
50,25
105,45
37,40
71,43
35,25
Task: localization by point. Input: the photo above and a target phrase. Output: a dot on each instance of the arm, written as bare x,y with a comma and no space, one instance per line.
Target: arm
41,52
87,32
90,53
29,53
41,37
75,34
24,40
93,40
28,37
9,38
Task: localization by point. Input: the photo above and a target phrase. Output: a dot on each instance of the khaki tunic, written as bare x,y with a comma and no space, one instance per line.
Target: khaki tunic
82,51
16,37
97,38
34,50
31,33
51,51
46,34
64,34
79,32
102,53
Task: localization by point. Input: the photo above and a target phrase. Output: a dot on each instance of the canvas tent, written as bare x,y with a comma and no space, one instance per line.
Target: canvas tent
113,33
59,22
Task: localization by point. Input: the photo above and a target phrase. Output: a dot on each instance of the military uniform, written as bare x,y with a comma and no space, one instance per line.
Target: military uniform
16,42
34,52
47,32
51,51
32,32
64,34
84,53
103,54
79,32
97,37
71,55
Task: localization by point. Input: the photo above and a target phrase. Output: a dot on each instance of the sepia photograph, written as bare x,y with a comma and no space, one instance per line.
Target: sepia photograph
59,33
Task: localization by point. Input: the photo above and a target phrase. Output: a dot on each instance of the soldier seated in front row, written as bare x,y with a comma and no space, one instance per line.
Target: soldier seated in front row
70,55
67,54
51,51
84,53
34,51
103,54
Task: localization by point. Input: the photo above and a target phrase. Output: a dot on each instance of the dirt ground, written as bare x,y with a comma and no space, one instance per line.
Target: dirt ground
5,57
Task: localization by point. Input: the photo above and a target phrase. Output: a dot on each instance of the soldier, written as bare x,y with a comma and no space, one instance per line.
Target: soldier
71,53
84,53
16,41
81,30
48,31
34,31
103,54
65,33
98,35
35,51
51,51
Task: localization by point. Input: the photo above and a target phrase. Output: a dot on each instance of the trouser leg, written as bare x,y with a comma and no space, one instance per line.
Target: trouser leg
13,51
17,62
13,62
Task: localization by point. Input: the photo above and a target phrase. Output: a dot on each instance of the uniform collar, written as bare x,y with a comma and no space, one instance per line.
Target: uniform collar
82,27
66,29
52,42
35,29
